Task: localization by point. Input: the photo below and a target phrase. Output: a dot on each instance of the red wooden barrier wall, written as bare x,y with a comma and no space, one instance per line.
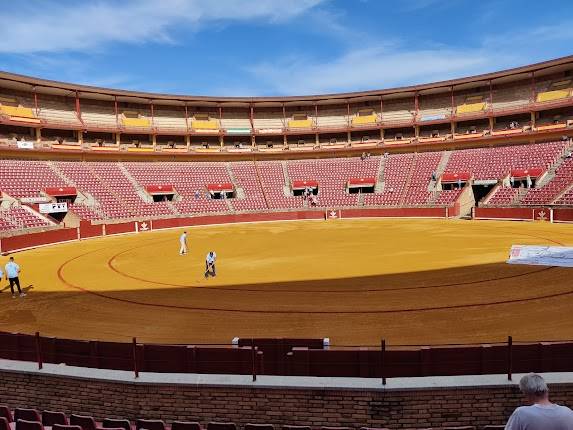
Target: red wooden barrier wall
87,229
563,215
394,212
123,227
31,240
526,214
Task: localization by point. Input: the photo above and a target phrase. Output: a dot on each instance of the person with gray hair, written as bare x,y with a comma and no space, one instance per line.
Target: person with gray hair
542,414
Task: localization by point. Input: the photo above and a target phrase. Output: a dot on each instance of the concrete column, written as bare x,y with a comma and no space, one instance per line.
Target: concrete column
154,141
188,142
117,139
453,128
38,135
348,137
533,120
491,124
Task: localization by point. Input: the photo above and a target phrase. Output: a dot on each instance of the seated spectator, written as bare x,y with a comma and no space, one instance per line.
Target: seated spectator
542,414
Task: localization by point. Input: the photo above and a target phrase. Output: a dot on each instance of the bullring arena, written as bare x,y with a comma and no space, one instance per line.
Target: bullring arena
410,281
362,242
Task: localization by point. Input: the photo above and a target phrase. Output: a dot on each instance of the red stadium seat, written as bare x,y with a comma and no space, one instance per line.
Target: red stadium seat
27,415
185,425
49,418
5,412
85,422
29,425
150,425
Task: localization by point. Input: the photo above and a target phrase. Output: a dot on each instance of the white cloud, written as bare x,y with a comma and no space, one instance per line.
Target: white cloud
42,26
378,66
370,68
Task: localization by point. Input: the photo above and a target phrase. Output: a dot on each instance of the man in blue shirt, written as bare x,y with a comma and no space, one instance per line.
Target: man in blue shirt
541,414
12,273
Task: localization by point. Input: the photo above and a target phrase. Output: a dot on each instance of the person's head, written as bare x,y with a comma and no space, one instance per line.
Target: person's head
184,232
534,387
11,258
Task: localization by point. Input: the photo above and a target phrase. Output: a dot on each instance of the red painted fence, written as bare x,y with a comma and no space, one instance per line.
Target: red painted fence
87,230
292,357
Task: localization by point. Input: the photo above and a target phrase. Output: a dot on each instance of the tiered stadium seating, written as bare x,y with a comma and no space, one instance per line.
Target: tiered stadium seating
398,111
332,176
503,196
187,179
27,179
472,104
447,197
434,108
112,190
32,419
59,111
366,117
268,121
332,118
495,163
247,178
548,193
273,182
98,116
6,224
417,192
20,218
169,121
236,122
513,97
109,203
396,171
119,185
134,120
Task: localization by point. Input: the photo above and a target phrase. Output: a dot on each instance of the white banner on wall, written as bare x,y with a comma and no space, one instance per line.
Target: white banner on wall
541,255
50,208
22,144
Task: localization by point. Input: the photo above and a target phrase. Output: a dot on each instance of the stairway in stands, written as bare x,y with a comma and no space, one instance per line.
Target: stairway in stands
136,185
239,191
379,187
60,174
409,178
440,170
286,187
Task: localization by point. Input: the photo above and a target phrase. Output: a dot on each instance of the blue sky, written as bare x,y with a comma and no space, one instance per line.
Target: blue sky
277,47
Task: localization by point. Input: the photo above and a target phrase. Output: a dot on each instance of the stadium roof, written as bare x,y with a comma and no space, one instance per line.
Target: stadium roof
44,86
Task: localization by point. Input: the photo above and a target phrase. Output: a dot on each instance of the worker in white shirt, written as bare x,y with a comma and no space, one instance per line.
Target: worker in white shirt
183,242
210,264
12,273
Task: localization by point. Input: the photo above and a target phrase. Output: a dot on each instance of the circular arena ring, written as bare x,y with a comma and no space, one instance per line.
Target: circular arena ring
412,282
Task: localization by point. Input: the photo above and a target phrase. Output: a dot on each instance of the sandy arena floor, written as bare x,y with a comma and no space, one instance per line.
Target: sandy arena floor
355,281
